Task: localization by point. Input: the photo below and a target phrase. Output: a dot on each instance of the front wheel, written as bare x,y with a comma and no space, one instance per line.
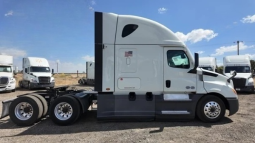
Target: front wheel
20,84
65,110
211,109
29,86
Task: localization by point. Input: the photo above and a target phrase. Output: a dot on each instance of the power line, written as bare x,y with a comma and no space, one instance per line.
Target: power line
210,45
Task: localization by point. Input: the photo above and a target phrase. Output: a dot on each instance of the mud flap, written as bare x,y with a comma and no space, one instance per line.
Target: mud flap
5,108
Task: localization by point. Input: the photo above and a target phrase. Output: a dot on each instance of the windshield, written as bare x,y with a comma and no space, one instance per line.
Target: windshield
238,69
39,69
5,69
207,68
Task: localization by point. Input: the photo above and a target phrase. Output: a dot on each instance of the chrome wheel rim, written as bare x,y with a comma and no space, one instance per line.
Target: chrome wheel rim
63,111
23,111
212,110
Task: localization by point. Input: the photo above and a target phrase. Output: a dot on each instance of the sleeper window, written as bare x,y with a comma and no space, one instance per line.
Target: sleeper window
177,59
128,29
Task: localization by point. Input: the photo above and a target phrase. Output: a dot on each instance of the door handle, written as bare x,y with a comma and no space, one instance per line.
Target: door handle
168,83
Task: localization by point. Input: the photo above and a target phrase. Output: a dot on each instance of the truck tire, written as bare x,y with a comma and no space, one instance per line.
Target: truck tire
44,103
24,111
20,84
29,86
39,103
65,110
210,109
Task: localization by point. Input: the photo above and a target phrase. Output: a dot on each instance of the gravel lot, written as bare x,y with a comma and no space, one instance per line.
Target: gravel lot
237,128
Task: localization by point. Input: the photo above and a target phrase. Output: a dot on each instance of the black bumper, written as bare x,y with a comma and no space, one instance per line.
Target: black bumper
245,89
41,85
233,106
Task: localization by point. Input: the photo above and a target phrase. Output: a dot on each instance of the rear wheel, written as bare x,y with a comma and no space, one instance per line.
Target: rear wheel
24,111
44,103
65,110
210,109
39,103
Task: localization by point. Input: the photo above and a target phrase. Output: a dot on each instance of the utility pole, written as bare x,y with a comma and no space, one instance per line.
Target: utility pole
57,67
238,46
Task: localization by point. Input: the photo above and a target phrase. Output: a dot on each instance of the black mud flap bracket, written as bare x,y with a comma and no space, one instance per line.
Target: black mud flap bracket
5,107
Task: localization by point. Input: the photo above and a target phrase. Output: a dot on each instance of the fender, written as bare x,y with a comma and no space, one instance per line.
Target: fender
84,99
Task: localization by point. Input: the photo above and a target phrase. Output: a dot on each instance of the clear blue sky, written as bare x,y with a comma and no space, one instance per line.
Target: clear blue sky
63,29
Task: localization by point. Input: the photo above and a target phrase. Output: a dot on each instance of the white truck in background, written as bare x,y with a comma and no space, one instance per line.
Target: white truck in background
143,72
90,74
208,63
241,64
36,73
7,72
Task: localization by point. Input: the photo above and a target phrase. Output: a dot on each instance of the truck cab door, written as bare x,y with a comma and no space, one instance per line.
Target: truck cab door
177,65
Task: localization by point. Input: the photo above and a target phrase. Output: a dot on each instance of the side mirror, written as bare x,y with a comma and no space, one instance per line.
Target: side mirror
194,70
52,71
233,73
196,61
15,71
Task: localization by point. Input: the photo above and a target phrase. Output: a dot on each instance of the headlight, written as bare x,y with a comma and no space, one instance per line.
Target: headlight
12,80
250,83
33,80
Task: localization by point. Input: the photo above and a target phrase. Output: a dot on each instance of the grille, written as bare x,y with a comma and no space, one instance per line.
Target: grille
44,79
4,80
239,82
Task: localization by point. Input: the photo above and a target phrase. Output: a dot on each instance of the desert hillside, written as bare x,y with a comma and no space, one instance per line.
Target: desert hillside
60,79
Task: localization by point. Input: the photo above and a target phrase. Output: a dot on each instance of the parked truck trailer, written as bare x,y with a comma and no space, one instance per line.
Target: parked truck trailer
90,74
143,72
208,63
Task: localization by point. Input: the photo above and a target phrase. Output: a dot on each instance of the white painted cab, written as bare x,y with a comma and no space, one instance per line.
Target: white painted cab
7,72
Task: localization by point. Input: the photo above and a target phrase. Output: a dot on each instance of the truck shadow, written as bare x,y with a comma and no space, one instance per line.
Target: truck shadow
89,123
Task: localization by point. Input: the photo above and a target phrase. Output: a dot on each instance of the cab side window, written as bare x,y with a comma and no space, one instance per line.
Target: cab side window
178,59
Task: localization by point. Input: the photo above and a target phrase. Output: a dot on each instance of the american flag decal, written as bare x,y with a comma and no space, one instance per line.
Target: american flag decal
128,53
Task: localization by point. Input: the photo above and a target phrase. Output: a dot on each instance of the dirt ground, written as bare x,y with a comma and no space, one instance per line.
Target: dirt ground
237,128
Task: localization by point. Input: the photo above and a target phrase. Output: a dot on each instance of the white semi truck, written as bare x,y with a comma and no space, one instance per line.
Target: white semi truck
36,73
90,74
138,76
208,63
243,81
7,72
